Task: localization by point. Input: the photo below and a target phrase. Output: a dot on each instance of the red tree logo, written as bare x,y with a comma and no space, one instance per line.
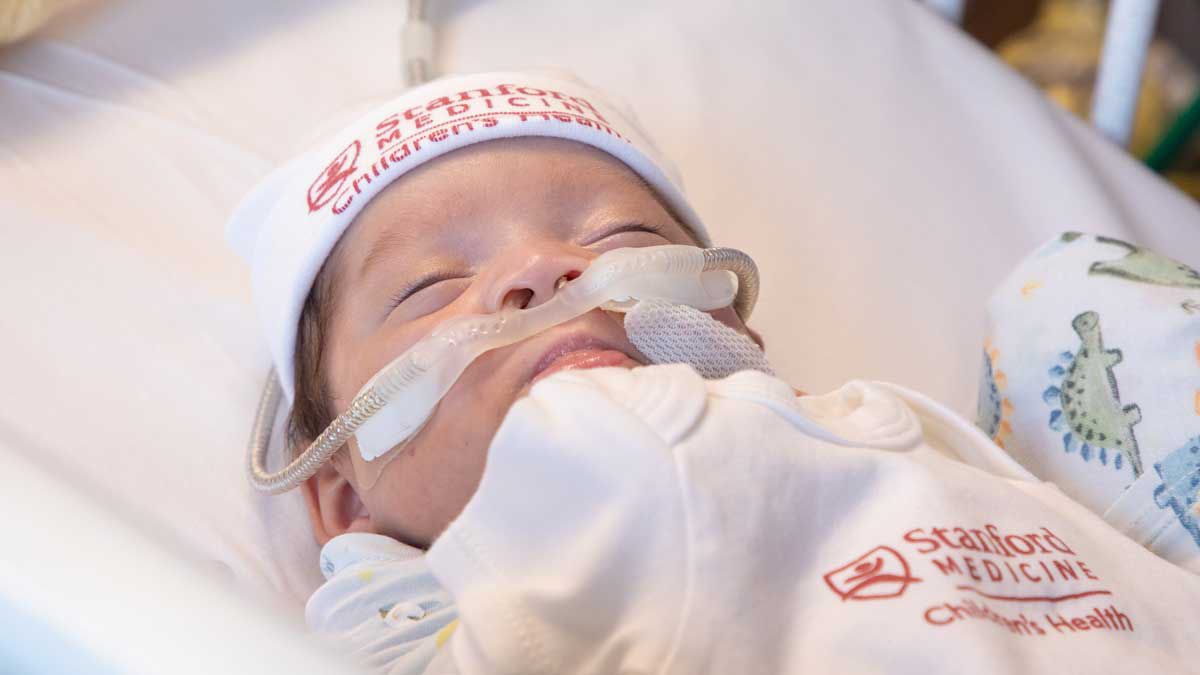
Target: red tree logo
329,183
877,574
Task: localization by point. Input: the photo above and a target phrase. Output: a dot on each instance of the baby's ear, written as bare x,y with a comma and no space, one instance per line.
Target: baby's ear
334,506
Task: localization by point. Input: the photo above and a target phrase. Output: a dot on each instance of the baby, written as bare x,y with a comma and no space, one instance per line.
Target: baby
628,518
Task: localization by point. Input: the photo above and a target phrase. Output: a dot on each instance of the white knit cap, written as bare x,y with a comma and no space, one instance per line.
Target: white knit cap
288,224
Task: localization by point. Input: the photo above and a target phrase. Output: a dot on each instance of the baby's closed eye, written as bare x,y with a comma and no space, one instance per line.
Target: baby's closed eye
427,295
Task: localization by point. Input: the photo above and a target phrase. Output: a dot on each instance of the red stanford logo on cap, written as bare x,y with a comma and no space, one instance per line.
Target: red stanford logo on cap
329,183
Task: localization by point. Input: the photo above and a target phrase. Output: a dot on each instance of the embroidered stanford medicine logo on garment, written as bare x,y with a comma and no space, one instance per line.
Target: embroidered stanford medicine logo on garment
329,183
877,574
1028,582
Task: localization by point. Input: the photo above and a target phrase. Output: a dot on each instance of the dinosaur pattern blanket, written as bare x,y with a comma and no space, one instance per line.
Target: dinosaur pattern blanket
1091,379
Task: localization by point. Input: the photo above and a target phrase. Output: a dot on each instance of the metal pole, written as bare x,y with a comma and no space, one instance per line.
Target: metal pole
417,45
1126,38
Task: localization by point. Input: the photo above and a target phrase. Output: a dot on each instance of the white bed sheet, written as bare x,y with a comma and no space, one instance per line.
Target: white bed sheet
883,169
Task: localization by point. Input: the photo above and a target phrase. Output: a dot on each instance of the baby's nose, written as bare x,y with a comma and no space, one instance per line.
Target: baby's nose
530,277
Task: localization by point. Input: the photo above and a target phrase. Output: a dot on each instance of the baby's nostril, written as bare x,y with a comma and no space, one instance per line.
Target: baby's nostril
518,298
564,279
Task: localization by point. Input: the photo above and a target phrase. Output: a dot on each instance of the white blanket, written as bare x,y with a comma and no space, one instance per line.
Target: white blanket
883,169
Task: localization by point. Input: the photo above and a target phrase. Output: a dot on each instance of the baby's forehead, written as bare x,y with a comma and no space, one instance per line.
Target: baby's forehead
522,174
515,183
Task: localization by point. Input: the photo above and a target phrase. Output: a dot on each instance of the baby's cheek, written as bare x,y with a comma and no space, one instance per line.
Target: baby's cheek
444,471
730,318
427,487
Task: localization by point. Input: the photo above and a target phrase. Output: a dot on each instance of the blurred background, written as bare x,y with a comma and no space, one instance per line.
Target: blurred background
1057,45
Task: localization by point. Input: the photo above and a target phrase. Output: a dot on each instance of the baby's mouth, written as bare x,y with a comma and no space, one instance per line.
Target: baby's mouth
587,358
578,352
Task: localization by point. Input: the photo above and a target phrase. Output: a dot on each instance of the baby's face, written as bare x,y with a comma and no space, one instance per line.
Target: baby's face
491,224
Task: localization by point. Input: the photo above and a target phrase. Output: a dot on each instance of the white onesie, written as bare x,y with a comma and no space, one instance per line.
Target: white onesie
650,521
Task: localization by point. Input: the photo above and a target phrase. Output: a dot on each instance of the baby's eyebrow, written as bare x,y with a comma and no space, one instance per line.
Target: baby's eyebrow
381,249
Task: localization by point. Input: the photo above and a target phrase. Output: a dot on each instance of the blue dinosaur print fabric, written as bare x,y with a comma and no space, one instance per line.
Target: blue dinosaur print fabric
1091,378
1180,487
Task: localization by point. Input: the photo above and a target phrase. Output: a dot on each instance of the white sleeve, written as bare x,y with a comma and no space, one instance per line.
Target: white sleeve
580,507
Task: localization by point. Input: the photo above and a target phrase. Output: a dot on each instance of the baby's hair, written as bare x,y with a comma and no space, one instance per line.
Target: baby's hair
312,411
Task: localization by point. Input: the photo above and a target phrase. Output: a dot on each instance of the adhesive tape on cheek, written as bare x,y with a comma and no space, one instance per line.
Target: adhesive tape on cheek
367,473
